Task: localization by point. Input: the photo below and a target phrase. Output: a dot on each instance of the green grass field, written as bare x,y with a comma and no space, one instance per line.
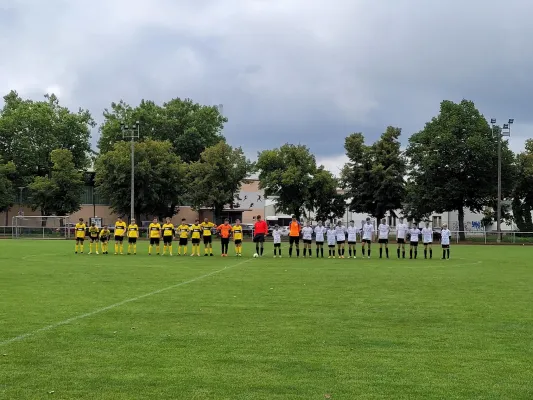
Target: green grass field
139,327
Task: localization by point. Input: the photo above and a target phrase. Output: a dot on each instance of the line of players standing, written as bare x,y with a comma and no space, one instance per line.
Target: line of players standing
337,236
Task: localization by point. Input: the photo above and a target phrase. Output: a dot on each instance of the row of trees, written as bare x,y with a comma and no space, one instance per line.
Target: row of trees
182,157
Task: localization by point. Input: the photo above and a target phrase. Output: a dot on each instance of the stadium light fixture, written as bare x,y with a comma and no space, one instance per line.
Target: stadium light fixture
132,133
505,131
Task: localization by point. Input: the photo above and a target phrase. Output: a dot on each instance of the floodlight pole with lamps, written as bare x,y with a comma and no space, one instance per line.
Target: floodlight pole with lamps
132,133
505,131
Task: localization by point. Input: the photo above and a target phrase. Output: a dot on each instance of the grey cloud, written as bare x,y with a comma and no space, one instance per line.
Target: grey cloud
300,71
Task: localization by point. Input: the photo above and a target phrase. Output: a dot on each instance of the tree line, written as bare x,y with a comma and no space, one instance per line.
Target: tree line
182,157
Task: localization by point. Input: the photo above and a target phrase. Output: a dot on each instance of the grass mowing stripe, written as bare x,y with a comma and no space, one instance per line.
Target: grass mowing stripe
121,303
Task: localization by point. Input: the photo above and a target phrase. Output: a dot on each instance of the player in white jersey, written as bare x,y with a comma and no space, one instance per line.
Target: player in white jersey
320,232
368,234
383,237
331,234
445,241
414,234
427,239
352,231
307,236
340,233
401,233
276,235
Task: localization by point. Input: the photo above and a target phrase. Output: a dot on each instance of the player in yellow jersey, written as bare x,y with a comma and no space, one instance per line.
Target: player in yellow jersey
237,236
105,235
154,232
120,231
80,236
133,235
196,232
207,233
168,235
183,232
93,235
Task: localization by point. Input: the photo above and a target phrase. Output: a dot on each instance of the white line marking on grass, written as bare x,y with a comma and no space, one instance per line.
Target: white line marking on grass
121,303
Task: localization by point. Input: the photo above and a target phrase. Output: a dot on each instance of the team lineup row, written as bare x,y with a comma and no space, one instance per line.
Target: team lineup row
336,236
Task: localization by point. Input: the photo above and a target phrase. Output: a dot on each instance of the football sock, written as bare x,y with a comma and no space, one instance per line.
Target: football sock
425,253
354,252
81,247
380,252
210,250
305,251
322,252
430,253
262,249
398,252
448,252
121,248
290,251
363,251
116,247
169,249
387,251
369,252
135,248
297,252
350,252
257,248
149,249
416,252
343,251
317,252
76,247
411,253
90,247
403,254
329,252
333,252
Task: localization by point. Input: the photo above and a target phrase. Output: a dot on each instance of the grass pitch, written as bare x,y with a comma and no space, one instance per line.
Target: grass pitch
139,327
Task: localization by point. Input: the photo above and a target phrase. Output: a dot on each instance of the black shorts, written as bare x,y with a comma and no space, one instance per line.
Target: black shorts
208,239
341,242
154,241
119,238
383,241
167,239
224,240
103,240
367,241
276,245
259,238
400,241
320,243
80,240
414,244
238,241
195,240
308,241
426,243
294,239
132,240
351,243
445,246
331,246
94,239
183,241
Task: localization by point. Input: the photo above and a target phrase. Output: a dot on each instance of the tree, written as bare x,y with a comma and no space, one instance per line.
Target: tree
188,126
374,177
30,130
159,178
324,198
287,173
522,195
60,193
217,177
453,162
7,191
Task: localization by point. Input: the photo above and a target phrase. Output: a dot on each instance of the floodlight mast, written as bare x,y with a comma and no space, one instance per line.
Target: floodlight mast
505,131
132,133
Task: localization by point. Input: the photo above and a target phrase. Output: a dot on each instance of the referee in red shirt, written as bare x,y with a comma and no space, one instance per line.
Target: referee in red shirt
260,231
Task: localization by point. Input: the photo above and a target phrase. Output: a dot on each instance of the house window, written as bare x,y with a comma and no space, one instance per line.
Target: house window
391,220
437,221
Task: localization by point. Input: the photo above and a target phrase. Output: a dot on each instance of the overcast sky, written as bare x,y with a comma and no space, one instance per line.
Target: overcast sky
308,71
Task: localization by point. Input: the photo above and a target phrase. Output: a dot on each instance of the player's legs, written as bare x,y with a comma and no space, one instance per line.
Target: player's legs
430,246
387,248
297,244
411,251
81,246
291,244
150,246
170,246
369,249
